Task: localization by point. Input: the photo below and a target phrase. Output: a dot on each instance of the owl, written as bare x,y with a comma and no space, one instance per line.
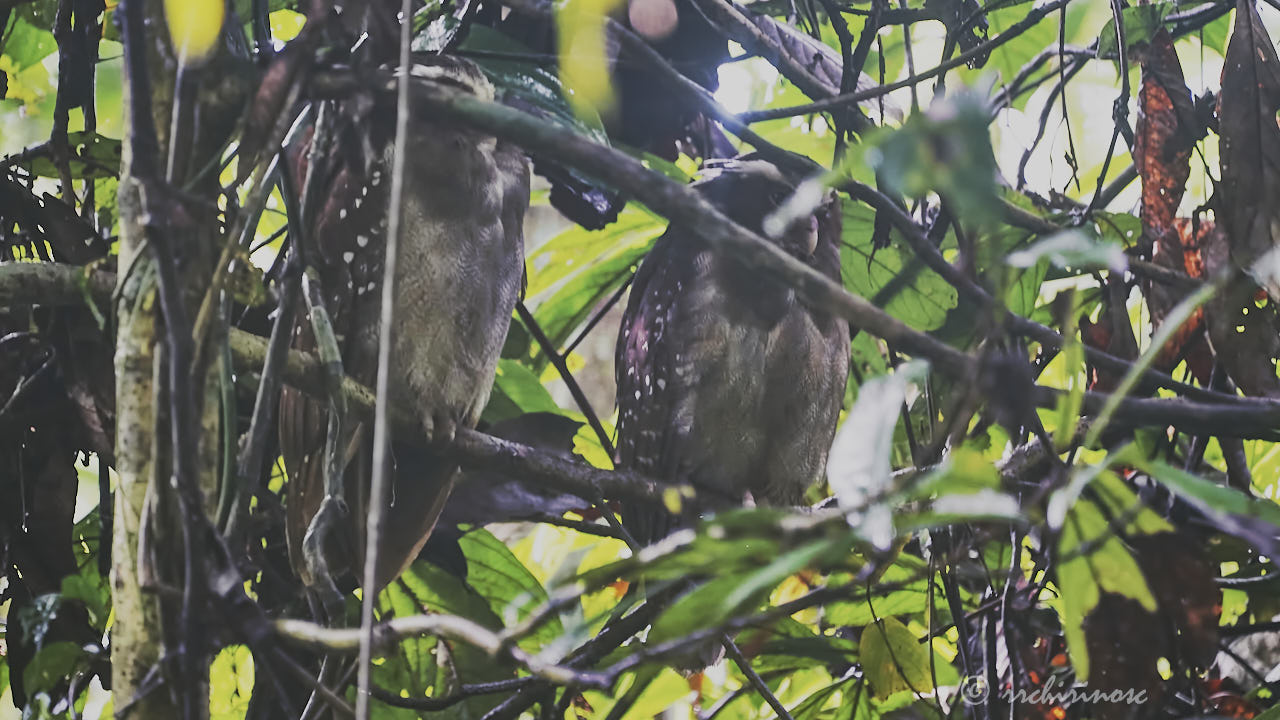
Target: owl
727,380
459,274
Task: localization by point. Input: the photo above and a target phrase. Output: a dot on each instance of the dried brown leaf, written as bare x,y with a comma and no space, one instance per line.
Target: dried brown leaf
1163,142
1250,147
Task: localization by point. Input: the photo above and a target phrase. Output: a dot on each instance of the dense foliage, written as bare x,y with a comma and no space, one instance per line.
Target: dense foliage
1060,218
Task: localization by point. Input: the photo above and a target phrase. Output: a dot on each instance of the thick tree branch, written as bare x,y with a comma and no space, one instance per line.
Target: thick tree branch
53,284
471,448
684,206
677,202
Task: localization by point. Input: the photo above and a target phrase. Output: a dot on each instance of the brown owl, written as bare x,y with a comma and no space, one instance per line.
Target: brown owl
458,276
727,380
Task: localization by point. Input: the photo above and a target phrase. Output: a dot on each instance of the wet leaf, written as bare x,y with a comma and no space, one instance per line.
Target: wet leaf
1184,248
1076,249
1242,323
859,468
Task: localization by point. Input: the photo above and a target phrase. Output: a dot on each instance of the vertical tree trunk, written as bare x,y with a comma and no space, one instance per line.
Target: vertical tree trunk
148,543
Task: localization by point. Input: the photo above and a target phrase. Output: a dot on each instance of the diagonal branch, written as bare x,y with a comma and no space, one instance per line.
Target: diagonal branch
384,635
829,102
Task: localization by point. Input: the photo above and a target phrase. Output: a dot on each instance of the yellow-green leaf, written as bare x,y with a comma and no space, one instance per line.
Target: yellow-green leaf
194,26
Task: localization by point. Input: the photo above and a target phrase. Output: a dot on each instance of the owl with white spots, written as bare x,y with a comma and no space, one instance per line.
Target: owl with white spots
727,380
458,276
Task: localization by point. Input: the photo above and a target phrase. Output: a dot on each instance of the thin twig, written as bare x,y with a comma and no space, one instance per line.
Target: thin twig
558,362
381,416
1033,17
434,704
932,257
753,677
1120,109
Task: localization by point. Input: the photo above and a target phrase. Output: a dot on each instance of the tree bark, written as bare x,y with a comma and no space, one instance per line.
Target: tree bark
159,666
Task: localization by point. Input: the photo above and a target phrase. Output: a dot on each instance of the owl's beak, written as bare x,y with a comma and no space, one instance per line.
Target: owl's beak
811,241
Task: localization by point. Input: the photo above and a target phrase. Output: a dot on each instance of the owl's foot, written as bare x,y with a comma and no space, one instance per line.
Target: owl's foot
440,427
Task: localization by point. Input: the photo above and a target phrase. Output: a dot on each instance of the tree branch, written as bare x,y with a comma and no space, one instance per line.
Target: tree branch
452,627
675,201
846,99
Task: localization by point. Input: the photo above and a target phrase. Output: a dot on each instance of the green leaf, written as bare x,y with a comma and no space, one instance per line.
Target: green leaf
510,589
432,664
790,645
1095,560
231,681
964,471
1140,23
417,667
583,267
1023,293
1009,58
574,251
894,660
92,156
27,44
703,607
51,665
660,692
760,582
811,707
586,445
1224,506
516,391
859,613
981,506
946,150
1121,229
891,276
91,589
1214,35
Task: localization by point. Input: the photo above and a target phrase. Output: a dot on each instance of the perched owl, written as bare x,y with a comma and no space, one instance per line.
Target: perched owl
458,276
727,380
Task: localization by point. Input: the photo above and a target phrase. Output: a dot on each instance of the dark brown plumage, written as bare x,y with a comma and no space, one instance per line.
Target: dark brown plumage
727,381
458,277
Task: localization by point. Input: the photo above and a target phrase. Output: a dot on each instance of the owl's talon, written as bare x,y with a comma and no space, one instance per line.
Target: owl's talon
441,428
